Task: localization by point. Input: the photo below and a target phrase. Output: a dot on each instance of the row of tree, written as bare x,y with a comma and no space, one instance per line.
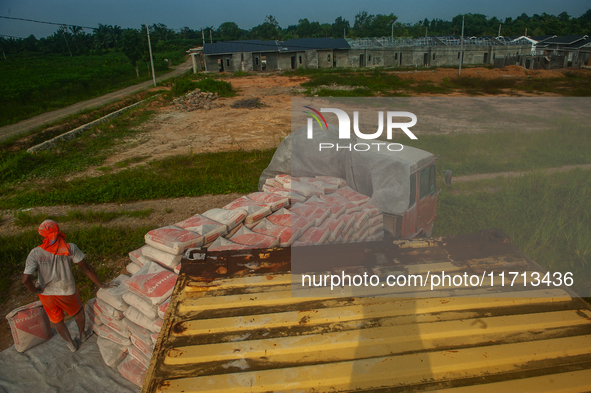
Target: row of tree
73,40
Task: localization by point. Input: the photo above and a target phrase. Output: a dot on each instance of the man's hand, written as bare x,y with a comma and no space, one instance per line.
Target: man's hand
110,284
28,282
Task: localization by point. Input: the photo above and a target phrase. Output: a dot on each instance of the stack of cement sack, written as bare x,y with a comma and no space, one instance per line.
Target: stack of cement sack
128,318
290,212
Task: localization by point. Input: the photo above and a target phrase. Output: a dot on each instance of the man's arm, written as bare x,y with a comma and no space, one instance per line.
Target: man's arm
89,271
28,281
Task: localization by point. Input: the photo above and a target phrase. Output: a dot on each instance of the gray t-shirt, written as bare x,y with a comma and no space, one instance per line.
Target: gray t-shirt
55,271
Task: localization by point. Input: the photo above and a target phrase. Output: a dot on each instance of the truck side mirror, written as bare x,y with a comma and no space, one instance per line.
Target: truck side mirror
447,177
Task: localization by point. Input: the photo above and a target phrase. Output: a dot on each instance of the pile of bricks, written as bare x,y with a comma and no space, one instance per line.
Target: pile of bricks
197,99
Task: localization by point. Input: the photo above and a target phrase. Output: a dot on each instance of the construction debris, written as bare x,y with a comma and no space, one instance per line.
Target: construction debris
197,99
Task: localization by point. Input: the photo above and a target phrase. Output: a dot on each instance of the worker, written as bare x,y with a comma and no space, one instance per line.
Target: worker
57,289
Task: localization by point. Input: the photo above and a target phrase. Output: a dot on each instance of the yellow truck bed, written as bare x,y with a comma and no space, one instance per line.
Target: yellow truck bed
233,325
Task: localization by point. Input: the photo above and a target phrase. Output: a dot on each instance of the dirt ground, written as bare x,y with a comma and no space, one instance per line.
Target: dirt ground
173,132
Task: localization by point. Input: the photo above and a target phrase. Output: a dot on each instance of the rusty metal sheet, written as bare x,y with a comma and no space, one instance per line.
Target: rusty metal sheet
233,326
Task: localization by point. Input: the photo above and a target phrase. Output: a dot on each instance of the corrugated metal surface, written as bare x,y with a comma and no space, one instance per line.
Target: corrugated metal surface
232,326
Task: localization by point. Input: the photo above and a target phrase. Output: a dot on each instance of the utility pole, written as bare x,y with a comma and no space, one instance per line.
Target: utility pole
392,31
526,32
500,30
203,36
210,39
64,32
426,28
151,58
461,48
344,35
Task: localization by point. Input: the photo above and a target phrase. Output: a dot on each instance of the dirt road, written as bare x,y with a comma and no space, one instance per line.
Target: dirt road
49,117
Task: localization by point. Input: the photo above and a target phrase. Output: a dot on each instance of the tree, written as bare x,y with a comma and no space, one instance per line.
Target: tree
229,31
269,30
340,26
134,47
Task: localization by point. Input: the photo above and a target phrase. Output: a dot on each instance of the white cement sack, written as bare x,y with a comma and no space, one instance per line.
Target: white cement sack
145,346
333,180
376,220
109,334
335,226
349,220
117,325
158,325
153,283
335,210
289,219
140,319
138,355
313,236
352,195
141,304
29,326
292,195
91,318
154,338
274,201
132,268
233,231
207,228
114,296
361,219
273,183
317,213
177,269
222,244
375,229
249,238
286,235
256,211
304,189
132,370
172,239
166,259
101,308
230,218
318,183
136,256
371,210
112,353
137,331
163,307
251,225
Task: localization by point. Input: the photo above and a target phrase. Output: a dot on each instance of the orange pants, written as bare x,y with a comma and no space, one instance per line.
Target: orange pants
56,305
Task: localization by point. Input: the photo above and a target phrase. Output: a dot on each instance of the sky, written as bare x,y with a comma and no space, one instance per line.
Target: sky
197,14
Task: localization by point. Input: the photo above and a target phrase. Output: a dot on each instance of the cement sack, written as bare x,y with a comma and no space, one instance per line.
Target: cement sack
137,331
283,179
293,196
352,195
91,318
363,235
29,326
338,200
288,219
163,307
337,181
145,346
137,256
154,338
304,189
275,202
335,226
251,225
378,236
207,228
132,268
349,220
101,308
141,304
318,183
376,220
140,319
117,325
286,235
313,236
233,231
375,229
256,211
166,259
112,353
249,238
109,334
335,209
371,210
230,218
158,325
317,213
273,183
177,269
361,219
173,240
132,370
114,296
153,283
222,244
138,355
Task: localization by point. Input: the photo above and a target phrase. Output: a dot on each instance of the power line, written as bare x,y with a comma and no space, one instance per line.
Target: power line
47,23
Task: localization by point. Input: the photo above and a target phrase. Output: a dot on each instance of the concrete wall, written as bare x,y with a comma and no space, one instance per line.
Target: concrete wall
434,56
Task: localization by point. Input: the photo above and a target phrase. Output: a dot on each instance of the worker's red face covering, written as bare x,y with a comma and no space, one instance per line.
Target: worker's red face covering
54,240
